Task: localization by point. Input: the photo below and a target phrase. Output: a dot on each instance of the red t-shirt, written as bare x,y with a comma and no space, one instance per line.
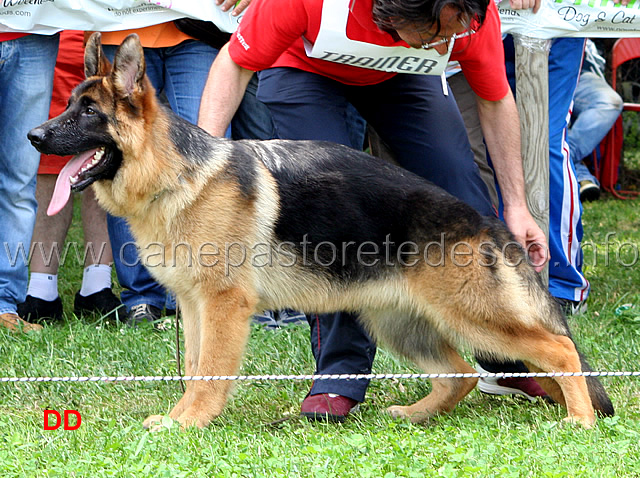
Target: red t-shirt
270,35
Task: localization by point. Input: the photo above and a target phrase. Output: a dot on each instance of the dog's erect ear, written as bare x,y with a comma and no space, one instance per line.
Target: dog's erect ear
95,63
129,66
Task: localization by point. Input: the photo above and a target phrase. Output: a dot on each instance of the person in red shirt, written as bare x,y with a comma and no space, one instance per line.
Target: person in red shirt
385,57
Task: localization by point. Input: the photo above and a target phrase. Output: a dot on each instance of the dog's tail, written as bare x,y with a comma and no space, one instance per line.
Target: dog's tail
599,397
553,319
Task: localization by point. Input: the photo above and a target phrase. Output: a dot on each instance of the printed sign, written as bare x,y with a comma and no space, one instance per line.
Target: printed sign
573,18
50,16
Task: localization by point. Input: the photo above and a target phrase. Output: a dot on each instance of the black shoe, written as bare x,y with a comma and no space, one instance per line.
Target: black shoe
103,302
572,307
34,309
143,313
589,191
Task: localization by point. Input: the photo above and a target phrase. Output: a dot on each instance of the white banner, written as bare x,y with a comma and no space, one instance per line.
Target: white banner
50,16
556,18
573,18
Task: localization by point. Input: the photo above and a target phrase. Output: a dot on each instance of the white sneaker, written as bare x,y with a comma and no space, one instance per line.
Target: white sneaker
289,317
524,386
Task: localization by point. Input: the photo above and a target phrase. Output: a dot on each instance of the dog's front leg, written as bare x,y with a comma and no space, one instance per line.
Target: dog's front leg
191,329
215,346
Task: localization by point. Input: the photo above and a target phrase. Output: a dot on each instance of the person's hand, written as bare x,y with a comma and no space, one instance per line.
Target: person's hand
529,235
226,5
524,4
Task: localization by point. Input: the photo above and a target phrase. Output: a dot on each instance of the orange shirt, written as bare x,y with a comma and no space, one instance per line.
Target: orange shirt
155,36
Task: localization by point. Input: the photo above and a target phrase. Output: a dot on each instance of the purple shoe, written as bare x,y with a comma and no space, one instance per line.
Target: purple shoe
525,386
327,407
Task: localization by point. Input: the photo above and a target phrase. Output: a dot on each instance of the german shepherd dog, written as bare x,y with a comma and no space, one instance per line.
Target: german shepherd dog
245,226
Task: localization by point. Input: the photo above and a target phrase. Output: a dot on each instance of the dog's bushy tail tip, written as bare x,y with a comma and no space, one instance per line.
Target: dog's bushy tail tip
599,397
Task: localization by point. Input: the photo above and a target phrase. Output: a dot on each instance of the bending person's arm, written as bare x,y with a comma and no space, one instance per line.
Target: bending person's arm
501,128
222,93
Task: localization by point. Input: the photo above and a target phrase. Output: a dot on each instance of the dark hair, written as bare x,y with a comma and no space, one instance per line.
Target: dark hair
424,12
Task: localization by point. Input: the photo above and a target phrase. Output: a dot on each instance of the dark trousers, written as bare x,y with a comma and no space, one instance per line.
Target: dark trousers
424,130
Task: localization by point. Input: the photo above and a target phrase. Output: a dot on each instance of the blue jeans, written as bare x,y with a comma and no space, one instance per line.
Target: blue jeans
26,80
596,107
178,73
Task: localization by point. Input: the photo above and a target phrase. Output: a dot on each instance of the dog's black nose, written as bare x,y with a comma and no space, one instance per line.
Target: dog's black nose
36,136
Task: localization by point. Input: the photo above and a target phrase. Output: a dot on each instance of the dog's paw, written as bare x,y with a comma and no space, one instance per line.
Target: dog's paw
586,422
187,420
408,413
156,423
398,411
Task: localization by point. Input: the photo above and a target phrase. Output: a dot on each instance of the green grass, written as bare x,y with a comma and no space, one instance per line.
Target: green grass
484,436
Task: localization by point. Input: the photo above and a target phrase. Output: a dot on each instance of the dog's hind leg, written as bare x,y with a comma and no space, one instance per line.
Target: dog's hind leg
599,398
548,384
547,352
445,392
415,338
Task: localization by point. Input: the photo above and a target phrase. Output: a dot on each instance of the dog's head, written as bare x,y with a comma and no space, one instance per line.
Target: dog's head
91,127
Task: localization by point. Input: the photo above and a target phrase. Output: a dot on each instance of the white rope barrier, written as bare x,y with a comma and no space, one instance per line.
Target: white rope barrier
371,376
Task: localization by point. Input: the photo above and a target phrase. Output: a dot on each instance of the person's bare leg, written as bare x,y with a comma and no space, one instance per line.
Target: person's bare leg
49,232
94,225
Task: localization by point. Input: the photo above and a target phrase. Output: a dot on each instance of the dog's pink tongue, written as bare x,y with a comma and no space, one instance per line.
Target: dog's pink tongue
62,191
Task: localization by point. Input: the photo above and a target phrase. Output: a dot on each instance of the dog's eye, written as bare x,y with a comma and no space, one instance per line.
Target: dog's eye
90,110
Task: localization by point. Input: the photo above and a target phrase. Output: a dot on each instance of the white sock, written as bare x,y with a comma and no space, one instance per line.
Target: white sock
43,286
95,278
